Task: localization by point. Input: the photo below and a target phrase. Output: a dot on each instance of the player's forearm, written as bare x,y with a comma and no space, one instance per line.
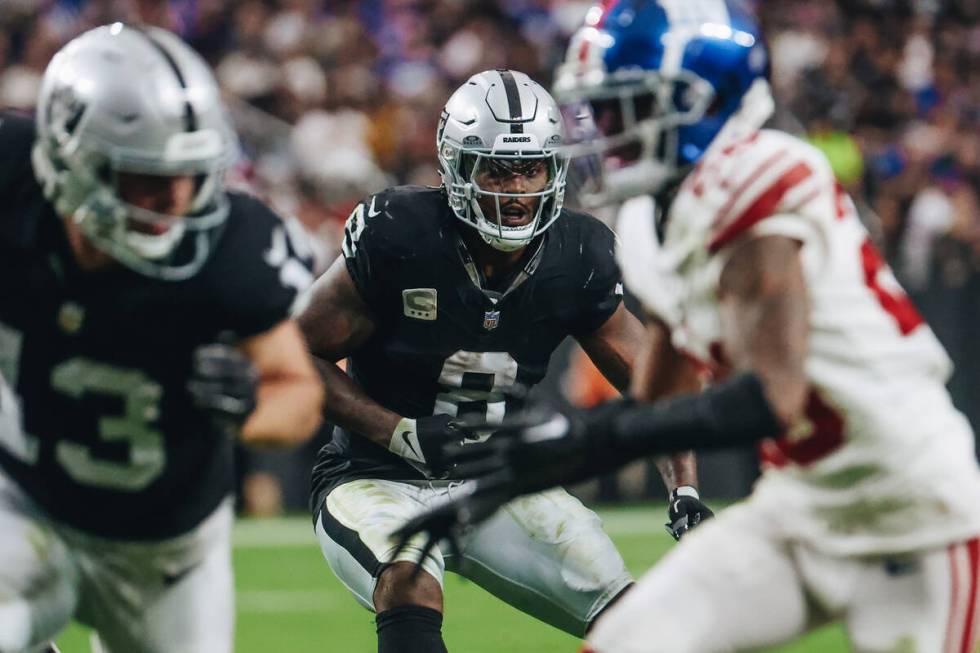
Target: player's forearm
287,412
678,469
765,320
663,371
348,406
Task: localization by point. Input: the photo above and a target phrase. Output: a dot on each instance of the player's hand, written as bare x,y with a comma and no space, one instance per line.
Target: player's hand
422,441
223,384
531,451
538,448
685,511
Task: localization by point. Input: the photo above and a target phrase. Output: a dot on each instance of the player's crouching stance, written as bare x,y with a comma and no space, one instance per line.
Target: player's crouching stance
443,301
125,271
867,511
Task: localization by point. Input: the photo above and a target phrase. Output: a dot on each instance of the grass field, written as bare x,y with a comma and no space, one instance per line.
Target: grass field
289,602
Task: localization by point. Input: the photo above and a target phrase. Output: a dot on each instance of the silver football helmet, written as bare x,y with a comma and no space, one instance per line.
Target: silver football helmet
122,99
501,120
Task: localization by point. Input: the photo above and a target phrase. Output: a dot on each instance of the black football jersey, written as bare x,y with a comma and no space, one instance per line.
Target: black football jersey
98,361
445,342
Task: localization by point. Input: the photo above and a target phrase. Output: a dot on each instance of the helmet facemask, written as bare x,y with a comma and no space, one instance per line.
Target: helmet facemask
84,185
624,136
477,181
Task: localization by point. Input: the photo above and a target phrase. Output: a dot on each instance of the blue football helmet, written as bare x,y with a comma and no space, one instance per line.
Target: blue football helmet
647,85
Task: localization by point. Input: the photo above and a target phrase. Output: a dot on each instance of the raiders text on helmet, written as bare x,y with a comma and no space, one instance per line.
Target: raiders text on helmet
501,118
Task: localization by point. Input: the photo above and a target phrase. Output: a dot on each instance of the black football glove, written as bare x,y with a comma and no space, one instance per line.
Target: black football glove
223,384
422,442
539,448
532,451
685,511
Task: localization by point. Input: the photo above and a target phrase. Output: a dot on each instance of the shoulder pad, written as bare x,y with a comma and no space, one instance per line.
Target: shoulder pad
763,174
586,228
396,219
258,229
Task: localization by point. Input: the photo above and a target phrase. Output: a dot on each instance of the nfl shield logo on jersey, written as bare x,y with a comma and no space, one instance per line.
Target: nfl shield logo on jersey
491,319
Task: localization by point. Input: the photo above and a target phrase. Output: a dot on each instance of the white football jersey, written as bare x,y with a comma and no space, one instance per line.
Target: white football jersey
882,462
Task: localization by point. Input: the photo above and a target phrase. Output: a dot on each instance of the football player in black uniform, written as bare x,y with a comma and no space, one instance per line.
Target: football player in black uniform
444,301
143,321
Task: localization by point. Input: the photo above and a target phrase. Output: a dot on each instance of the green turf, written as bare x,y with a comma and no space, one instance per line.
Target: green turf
289,602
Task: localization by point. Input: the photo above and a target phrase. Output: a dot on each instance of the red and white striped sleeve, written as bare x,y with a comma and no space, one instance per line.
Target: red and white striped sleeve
778,185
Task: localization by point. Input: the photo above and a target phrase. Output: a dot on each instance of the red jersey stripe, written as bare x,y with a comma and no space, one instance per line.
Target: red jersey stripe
722,217
762,207
969,628
953,629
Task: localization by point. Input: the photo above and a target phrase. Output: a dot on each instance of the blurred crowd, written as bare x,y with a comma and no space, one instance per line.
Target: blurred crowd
891,92
335,99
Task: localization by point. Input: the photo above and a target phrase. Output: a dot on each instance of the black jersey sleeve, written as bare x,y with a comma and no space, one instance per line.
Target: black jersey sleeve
378,240
601,280
262,264
363,254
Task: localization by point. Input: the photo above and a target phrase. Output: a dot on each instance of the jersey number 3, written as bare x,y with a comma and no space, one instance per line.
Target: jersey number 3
140,398
141,405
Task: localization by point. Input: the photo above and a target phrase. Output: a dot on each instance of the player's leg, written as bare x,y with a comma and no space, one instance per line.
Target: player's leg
172,595
547,555
923,602
354,529
729,586
37,576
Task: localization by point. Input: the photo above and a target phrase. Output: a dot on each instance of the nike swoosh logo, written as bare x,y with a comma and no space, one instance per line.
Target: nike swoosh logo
170,579
371,210
411,445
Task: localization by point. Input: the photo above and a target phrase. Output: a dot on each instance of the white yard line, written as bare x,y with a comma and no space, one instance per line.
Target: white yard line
298,531
285,601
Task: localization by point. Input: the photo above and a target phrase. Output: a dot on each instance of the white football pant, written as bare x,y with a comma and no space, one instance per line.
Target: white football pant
732,585
170,596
